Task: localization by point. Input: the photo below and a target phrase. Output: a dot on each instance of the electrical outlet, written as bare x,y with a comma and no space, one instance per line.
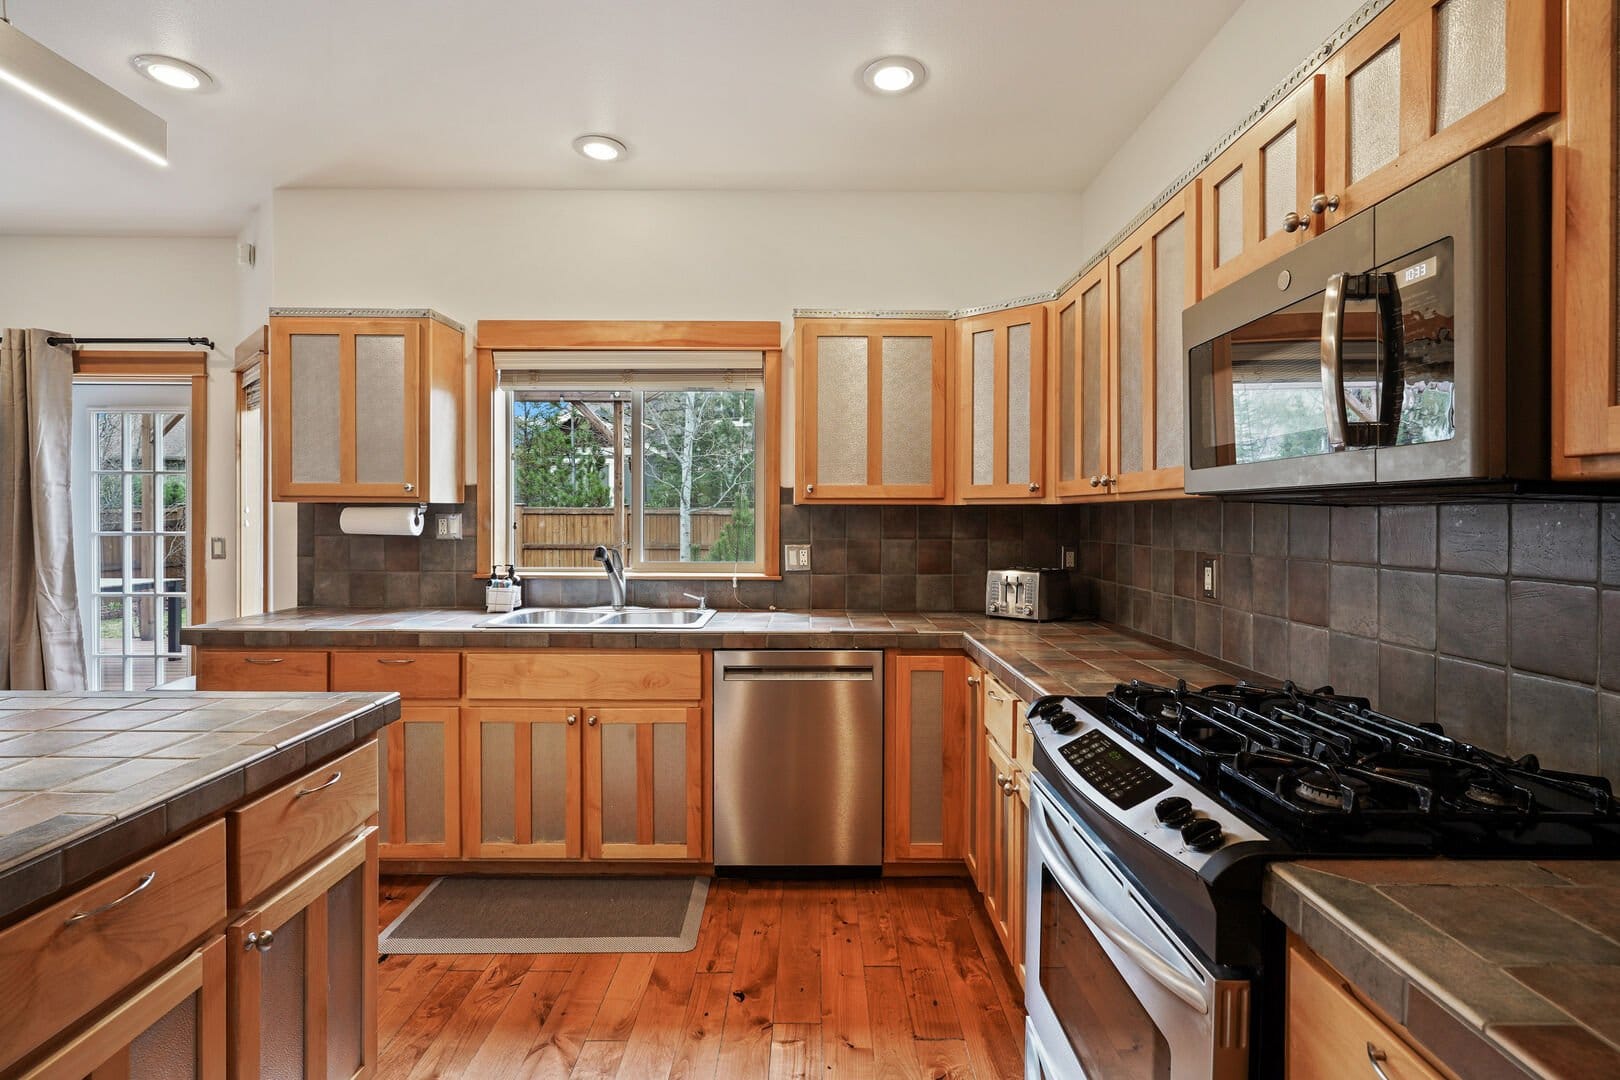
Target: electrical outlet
447,527
796,557
1066,558
1209,574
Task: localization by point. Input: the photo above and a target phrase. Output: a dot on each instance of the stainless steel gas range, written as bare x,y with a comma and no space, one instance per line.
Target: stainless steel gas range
1153,814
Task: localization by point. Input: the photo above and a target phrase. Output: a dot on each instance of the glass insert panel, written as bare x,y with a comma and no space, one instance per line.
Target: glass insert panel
1169,368
1229,217
379,420
669,783
1281,179
317,403
619,783
281,1003
174,442
984,407
927,757
109,440
139,433
1093,370
841,410
346,949
1132,299
168,1049
1470,57
1374,111
697,472
496,783
424,783
908,414
1019,377
176,502
110,497
1068,379
548,783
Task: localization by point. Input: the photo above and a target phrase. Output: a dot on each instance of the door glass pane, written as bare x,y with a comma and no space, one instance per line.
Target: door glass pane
1112,1034
109,440
174,442
927,722
1132,298
1093,368
138,439
317,404
841,408
346,957
1281,179
424,783
141,518
984,407
567,451
281,1003
1019,377
1374,111
379,419
908,414
548,782
1169,298
496,781
1470,57
698,472
669,783
618,783
168,1049
1229,217
1068,379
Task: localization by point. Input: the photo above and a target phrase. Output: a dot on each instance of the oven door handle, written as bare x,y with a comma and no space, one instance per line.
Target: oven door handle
1149,961
1333,361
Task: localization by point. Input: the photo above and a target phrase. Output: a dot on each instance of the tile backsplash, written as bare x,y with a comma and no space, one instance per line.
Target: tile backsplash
1499,620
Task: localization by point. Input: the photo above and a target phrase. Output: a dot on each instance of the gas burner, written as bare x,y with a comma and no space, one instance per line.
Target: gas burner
1491,795
1327,789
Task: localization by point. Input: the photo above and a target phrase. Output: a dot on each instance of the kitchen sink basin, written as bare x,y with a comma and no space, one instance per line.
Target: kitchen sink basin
604,617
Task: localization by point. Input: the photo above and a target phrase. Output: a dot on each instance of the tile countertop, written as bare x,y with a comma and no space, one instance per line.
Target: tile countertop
1033,659
89,780
1500,968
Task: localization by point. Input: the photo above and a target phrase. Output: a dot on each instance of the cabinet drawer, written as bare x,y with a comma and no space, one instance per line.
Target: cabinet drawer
1000,718
598,675
1331,1033
61,964
279,832
414,675
261,669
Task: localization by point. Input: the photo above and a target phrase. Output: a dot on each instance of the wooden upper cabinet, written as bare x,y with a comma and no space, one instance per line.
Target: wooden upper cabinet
1428,81
1153,277
1000,402
1078,388
872,410
1256,197
365,409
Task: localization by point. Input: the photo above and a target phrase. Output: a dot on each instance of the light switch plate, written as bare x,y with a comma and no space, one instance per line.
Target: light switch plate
1209,576
796,557
447,527
216,547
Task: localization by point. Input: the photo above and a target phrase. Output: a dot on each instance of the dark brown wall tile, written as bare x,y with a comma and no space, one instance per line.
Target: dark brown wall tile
1406,608
1308,662
1555,540
1556,721
1472,617
1353,665
1353,599
1237,637
1354,534
1474,538
1207,629
1554,629
827,591
1308,528
1270,529
1406,536
1271,646
1308,592
899,521
1237,528
898,557
1405,681
1269,584
1471,702
933,556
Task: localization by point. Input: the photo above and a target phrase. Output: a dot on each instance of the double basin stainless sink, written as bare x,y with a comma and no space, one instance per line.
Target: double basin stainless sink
602,618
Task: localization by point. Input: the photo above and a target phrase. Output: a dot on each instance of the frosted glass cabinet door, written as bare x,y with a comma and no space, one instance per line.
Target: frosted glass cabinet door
1001,401
523,777
420,773
872,409
644,783
926,749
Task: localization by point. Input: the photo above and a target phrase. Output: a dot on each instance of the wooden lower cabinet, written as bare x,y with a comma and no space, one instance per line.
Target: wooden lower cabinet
1331,1033
974,840
303,972
925,736
522,792
1006,822
644,794
419,776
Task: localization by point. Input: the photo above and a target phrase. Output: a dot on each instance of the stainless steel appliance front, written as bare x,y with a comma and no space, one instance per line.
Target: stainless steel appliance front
798,758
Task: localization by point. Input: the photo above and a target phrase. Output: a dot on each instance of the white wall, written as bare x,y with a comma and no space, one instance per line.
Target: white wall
126,287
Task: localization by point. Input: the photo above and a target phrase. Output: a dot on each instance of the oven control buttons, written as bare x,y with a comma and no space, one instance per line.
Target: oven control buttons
1174,811
1202,834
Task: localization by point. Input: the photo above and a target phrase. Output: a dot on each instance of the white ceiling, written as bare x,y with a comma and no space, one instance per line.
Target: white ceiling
1022,95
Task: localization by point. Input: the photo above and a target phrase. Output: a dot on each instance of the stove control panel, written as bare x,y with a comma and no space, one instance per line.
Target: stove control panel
1106,766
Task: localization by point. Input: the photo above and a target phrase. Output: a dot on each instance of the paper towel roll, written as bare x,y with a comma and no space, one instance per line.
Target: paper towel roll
381,520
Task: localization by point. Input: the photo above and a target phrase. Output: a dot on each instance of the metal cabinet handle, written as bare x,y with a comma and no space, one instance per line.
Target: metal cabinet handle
1333,360
1294,221
1110,479
334,778
1096,481
263,659
1029,727
590,721
1376,1058
1322,203
973,680
259,939
396,659
140,887
572,720
1033,486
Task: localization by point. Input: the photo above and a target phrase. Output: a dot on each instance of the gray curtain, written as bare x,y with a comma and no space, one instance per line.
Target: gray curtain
39,593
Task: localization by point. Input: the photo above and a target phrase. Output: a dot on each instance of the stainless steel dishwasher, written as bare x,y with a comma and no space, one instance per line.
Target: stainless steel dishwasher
798,758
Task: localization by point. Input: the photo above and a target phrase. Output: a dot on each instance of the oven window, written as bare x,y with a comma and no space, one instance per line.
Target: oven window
1112,1035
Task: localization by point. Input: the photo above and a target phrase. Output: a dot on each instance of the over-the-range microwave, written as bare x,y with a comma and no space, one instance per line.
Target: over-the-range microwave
1407,345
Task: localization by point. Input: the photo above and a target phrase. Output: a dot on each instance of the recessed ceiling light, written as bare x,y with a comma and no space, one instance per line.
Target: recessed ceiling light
600,147
175,74
894,74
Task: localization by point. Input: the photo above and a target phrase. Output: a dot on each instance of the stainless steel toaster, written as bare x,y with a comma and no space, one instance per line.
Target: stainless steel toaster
1028,592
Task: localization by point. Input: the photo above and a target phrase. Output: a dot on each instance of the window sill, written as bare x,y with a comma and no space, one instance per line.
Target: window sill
592,575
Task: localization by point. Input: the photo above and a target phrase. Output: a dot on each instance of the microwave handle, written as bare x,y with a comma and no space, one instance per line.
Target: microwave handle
1333,360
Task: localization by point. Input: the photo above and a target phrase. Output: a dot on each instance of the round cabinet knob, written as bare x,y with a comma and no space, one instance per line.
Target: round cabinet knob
410,487
590,721
572,720
1323,204
1293,221
1202,834
973,680
1174,811
261,940
809,489
1096,481
1033,486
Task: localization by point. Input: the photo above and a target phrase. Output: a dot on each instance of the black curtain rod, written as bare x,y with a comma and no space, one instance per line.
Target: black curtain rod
58,341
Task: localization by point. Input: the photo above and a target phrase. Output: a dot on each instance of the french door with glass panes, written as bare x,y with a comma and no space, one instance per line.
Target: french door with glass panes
133,520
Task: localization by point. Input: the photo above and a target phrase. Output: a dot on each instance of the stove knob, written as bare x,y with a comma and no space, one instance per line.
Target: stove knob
1174,811
1202,834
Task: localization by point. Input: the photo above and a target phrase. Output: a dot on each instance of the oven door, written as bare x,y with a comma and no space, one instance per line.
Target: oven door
1111,992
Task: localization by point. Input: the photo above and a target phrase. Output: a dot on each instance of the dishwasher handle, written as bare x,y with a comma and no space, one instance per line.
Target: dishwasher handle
797,674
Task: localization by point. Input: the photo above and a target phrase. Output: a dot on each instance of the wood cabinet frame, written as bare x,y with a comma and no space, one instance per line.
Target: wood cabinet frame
1081,487
999,323
809,487
973,802
392,842
898,844
644,717
523,844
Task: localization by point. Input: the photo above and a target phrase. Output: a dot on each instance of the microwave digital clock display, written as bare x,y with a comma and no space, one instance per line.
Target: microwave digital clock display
1419,271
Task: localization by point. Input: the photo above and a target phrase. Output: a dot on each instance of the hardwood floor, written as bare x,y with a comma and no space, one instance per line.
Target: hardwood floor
895,979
